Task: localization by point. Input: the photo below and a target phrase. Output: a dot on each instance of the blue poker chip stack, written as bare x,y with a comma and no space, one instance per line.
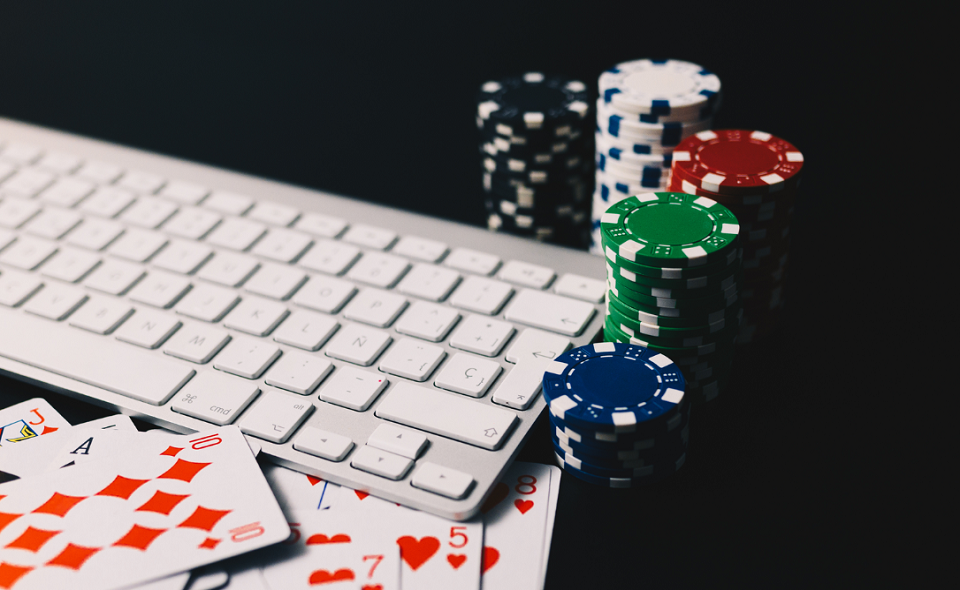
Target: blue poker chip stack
618,415
646,107
536,156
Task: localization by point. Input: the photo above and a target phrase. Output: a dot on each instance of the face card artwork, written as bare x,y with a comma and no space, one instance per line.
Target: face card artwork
152,510
28,420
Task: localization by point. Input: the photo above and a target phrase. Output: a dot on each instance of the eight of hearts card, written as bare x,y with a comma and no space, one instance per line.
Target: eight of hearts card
150,510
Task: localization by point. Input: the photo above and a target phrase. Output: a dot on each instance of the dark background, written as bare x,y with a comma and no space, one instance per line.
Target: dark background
376,100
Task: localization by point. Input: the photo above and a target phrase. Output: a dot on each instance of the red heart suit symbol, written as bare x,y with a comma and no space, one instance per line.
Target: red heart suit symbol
523,505
417,553
499,492
456,560
325,577
490,558
313,480
321,539
372,587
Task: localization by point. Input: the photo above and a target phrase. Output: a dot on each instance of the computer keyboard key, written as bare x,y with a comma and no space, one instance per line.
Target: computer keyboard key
256,316
369,236
534,344
66,192
403,442
27,182
91,359
143,183
101,315
15,212
16,287
329,257
100,172
378,462
468,374
59,162
148,212
428,321
429,282
214,397
107,202
582,288
137,245
55,301
412,359
448,415
375,307
6,170
479,263
191,223
379,269
28,253
147,328
114,277
70,265
247,357
181,256
228,268
550,312
207,303
273,213
358,344
52,223
481,335
282,245
275,281
197,343
441,480
306,330
521,385
236,234
275,416
323,226
526,274
325,294
94,234
420,248
185,193
298,372
159,289
352,388
6,238
20,153
323,444
229,203
481,295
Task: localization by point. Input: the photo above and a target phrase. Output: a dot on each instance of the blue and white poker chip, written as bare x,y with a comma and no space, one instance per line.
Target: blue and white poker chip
670,89
612,387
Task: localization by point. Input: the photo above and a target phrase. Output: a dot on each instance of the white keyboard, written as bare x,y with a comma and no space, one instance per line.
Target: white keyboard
379,349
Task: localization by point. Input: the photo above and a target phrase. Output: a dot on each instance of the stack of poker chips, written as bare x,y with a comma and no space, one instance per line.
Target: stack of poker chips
673,274
645,108
756,175
618,414
536,157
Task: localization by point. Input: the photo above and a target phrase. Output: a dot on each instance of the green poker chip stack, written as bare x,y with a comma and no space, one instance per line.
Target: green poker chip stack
673,278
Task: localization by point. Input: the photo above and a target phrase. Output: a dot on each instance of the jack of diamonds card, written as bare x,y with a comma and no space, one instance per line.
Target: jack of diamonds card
151,510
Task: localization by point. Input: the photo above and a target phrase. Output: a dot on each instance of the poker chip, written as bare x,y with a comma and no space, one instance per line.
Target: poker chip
757,176
645,109
535,151
617,412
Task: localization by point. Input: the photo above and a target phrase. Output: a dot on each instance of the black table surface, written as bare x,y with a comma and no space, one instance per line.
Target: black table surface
376,101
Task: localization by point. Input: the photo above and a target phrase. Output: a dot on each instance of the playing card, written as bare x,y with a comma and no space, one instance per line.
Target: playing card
298,491
515,522
28,420
24,460
175,582
311,557
551,517
434,553
211,577
150,511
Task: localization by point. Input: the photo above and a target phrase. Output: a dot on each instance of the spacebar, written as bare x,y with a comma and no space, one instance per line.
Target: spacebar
91,359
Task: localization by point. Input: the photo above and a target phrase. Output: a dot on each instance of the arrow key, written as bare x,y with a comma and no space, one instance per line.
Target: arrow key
323,444
379,462
441,480
401,441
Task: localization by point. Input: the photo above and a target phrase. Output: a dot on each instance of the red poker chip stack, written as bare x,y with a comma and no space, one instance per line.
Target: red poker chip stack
755,175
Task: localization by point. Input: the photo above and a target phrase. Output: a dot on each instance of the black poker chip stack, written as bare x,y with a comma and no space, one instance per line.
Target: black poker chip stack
535,133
